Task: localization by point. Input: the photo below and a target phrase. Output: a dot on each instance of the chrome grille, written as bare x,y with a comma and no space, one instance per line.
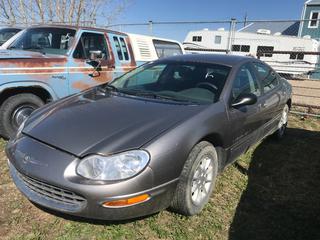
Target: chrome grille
51,192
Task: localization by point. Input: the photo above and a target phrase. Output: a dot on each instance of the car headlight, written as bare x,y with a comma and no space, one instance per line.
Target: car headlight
115,167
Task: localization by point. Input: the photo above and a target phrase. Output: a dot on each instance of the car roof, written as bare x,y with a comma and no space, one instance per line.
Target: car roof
222,59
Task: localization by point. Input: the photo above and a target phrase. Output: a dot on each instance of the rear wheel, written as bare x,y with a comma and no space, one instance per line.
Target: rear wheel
15,110
282,125
197,180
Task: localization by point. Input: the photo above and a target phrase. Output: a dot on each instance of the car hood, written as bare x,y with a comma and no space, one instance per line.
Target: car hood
93,123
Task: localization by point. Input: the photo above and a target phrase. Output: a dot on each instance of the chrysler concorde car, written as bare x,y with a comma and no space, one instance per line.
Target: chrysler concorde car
153,138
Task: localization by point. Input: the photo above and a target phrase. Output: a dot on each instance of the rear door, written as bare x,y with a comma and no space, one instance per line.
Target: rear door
82,73
245,121
271,97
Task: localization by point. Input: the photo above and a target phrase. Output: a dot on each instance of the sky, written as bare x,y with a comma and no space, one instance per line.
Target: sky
141,11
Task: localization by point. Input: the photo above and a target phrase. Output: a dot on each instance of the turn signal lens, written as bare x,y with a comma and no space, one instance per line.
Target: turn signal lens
127,202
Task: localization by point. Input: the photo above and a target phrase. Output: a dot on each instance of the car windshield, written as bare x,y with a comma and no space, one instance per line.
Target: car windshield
45,40
7,33
184,82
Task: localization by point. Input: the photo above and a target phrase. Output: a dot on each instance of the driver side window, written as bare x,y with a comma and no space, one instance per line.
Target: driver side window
245,82
91,42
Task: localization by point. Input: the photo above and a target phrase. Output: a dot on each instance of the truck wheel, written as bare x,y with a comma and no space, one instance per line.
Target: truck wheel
197,180
15,110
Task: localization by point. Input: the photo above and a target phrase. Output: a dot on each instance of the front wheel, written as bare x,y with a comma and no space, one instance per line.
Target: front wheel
197,180
15,110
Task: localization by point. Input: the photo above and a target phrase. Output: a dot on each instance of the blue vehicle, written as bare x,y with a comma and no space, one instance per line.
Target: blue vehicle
46,63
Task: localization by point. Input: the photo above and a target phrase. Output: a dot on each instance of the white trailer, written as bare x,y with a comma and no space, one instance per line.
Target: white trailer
286,54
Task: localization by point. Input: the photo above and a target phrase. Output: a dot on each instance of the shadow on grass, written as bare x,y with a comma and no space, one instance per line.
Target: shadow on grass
89,220
282,198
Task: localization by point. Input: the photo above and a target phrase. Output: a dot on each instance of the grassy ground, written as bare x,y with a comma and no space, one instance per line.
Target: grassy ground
272,192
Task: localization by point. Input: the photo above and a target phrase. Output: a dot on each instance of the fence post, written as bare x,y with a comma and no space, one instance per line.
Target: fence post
231,35
151,28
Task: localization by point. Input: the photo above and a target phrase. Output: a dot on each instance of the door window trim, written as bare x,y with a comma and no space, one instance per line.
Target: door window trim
252,71
263,93
108,56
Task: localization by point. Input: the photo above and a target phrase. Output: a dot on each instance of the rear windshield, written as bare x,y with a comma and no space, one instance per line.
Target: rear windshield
190,82
167,49
45,40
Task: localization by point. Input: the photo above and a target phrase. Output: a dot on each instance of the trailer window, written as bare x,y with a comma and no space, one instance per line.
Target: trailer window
297,56
166,48
314,16
265,51
240,48
217,39
197,38
236,48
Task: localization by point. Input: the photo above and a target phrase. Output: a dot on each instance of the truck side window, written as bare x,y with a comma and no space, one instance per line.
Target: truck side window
166,49
122,49
91,42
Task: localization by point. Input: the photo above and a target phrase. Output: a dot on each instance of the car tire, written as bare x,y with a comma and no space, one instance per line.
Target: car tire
197,180
14,110
283,123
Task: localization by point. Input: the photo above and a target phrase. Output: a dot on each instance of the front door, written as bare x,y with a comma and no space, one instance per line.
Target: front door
245,121
270,101
82,72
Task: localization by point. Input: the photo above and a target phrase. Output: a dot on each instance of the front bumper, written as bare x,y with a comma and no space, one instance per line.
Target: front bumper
47,177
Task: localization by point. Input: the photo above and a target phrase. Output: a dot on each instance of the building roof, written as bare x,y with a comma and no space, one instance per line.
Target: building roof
285,28
313,2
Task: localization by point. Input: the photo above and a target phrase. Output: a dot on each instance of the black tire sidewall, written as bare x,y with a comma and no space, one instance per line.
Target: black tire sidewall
211,153
182,201
10,105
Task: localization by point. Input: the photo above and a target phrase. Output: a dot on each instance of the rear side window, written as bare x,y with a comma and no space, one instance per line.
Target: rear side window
166,49
269,78
245,82
121,47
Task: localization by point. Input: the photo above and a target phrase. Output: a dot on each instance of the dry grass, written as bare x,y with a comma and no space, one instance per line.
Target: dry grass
271,193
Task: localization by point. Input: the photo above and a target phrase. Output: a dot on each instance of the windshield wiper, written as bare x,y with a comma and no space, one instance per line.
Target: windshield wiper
150,94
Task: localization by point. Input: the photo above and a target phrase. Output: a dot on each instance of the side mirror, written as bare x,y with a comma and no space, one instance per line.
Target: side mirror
244,100
95,55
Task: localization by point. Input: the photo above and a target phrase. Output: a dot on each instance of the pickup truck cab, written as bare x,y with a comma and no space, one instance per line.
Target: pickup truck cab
45,63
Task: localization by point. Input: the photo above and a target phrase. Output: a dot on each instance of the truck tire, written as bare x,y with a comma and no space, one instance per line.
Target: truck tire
14,110
197,180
